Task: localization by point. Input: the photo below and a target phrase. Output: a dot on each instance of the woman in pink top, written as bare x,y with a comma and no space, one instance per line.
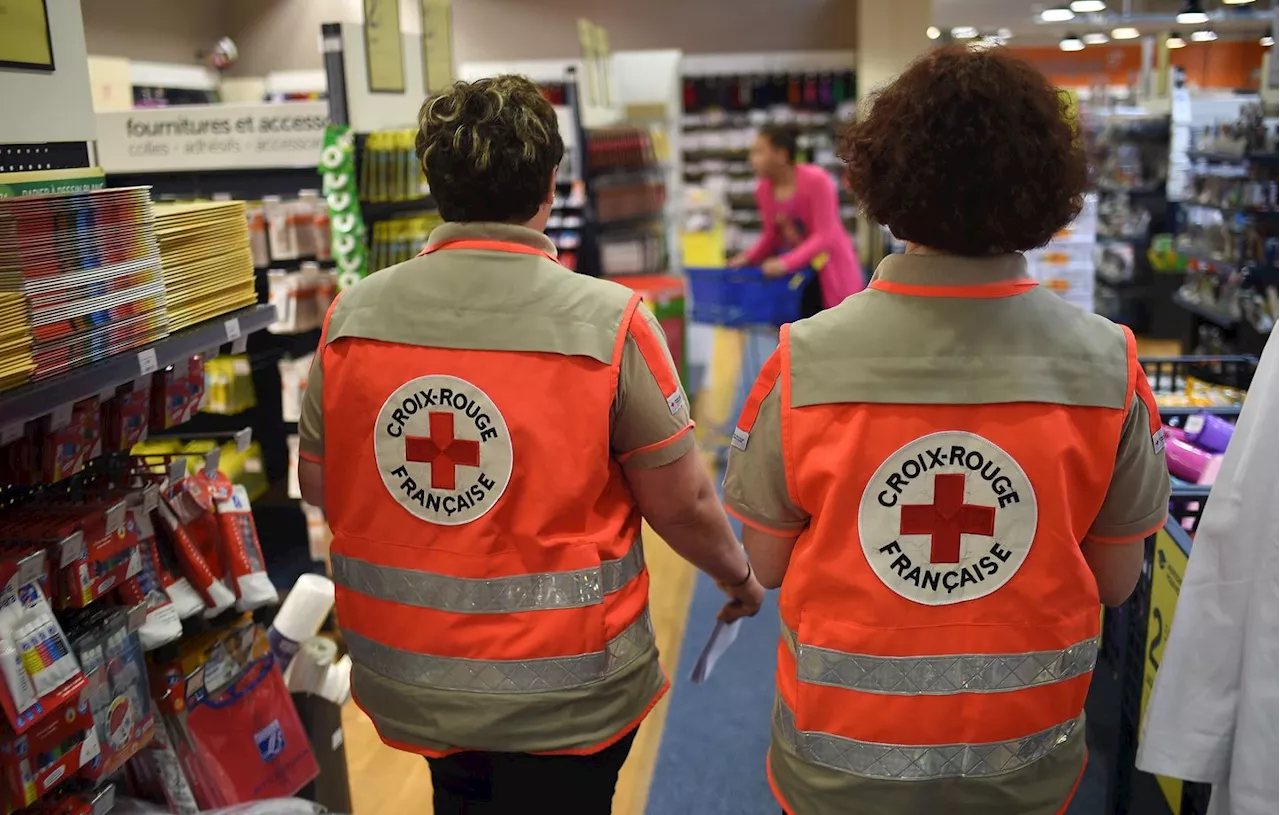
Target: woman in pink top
800,213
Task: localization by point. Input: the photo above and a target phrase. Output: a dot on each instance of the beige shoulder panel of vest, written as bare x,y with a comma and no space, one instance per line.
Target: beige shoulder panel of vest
483,300
889,348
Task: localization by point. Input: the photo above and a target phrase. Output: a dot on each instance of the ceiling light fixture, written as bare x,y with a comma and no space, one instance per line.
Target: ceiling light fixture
932,32
1058,14
1071,43
964,32
1088,6
1096,38
1004,33
1192,13
1203,35
1175,41
1267,40
1125,33
1236,2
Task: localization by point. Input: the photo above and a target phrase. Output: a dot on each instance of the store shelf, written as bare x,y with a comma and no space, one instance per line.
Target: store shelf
630,221
1231,212
1205,312
41,398
382,210
1227,158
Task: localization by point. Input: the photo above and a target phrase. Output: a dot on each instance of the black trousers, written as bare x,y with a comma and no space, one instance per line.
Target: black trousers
811,298
477,783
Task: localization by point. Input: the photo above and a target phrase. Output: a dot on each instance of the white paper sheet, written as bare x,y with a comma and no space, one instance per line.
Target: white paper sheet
722,636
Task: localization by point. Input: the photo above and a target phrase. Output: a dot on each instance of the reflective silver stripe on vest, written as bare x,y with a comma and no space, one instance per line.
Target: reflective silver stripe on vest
903,762
503,676
503,595
939,675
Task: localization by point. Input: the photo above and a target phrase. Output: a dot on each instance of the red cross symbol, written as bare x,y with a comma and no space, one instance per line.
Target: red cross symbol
947,518
442,451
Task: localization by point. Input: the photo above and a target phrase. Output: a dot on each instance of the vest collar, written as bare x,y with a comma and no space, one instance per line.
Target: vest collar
486,231
953,275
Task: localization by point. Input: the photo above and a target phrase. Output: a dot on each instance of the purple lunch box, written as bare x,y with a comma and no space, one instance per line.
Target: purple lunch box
1208,432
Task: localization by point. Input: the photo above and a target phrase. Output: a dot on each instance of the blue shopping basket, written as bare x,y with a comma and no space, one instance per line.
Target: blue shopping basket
737,297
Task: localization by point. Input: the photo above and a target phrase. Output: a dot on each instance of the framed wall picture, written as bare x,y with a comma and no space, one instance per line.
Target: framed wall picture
383,46
24,35
437,45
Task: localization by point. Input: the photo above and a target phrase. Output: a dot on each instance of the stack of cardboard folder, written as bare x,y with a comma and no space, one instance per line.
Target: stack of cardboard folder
80,275
16,366
208,266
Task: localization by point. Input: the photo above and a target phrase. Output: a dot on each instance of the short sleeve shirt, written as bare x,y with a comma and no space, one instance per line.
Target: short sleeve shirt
1137,501
649,428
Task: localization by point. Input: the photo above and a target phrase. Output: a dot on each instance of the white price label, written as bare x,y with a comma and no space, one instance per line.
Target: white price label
135,565
150,499
115,518
147,363
72,549
243,439
233,329
211,461
137,616
105,801
11,433
31,568
61,416
146,530
90,748
107,394
240,345
177,470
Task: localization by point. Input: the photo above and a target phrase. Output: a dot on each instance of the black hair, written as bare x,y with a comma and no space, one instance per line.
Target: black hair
783,137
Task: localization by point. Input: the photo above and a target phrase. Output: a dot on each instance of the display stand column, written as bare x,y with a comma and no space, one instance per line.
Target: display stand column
890,36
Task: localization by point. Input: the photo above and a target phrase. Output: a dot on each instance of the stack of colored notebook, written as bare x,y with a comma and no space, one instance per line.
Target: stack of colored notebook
208,266
87,269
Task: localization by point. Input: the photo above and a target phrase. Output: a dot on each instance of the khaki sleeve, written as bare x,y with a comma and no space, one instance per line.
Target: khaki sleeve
650,422
311,420
755,482
1137,501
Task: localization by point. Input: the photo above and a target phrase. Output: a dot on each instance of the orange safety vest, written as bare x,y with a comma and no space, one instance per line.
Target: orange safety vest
939,620
486,547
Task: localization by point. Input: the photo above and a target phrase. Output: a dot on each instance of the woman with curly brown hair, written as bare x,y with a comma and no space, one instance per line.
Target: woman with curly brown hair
947,473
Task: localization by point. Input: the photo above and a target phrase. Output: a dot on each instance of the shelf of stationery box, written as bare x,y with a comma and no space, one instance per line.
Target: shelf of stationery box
1227,158
1206,312
631,222
1232,211
46,396
623,173
382,210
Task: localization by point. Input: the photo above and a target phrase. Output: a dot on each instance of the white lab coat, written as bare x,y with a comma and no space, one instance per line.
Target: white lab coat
1212,714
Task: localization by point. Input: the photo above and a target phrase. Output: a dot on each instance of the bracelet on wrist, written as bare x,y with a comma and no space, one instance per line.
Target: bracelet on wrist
744,580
